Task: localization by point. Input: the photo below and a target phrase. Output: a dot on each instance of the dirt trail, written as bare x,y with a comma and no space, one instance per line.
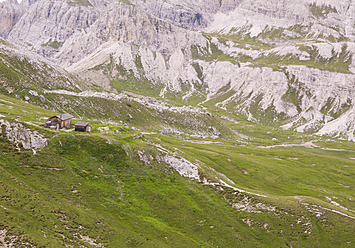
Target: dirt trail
308,144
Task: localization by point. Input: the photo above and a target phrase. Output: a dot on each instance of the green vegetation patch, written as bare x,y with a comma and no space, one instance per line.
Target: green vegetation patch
14,109
268,116
85,3
54,44
242,39
211,53
328,108
198,70
294,93
322,11
136,85
339,62
19,74
272,34
6,43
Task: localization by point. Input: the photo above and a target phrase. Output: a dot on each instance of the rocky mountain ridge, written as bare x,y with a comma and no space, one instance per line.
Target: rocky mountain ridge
276,62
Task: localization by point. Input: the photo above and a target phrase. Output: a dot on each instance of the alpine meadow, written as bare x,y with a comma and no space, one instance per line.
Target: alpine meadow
161,123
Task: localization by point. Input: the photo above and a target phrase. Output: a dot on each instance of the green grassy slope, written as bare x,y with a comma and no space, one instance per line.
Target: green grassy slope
20,73
94,188
258,186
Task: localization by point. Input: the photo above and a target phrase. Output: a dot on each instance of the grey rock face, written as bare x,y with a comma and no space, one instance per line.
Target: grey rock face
67,33
21,136
189,14
7,17
48,24
10,13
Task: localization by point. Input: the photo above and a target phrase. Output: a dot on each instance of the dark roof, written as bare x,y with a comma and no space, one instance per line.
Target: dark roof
65,116
82,124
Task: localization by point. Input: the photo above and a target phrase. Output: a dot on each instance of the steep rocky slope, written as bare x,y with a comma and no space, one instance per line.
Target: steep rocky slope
276,62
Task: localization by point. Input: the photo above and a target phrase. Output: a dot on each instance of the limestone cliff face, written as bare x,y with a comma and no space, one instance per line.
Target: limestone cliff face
48,24
189,14
10,13
285,62
123,23
7,17
67,33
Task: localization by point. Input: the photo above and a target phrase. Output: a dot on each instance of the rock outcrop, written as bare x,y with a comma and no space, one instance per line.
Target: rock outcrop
22,137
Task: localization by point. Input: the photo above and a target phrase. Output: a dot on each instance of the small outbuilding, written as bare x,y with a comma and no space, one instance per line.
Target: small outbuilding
61,121
82,127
